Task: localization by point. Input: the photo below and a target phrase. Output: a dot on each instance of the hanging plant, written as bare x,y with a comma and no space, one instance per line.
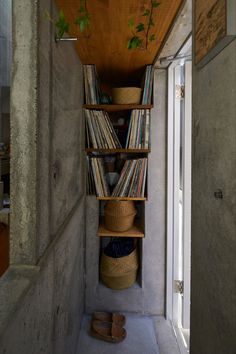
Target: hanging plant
83,18
141,32
62,26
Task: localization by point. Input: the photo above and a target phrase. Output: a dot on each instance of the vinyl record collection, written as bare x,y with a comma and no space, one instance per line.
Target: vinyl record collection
99,130
131,183
139,129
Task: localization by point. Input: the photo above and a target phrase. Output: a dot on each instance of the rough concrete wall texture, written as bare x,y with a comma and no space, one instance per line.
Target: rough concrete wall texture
61,130
67,134
155,211
23,133
149,297
213,293
5,42
47,320
44,127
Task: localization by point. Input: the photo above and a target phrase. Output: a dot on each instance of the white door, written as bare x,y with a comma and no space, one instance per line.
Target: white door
179,200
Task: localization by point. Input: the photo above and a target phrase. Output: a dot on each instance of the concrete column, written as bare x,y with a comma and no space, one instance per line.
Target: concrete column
24,132
155,214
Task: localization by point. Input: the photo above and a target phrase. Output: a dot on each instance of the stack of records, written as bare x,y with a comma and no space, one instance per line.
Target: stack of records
99,130
92,87
139,130
96,181
147,91
132,179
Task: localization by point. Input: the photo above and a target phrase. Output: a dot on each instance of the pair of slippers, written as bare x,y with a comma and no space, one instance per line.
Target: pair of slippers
108,326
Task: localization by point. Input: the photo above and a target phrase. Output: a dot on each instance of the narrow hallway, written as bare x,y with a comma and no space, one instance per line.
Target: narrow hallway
117,166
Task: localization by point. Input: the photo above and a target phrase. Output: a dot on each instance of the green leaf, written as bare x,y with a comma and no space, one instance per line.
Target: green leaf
151,23
140,27
151,38
131,22
83,22
147,12
62,25
134,42
155,3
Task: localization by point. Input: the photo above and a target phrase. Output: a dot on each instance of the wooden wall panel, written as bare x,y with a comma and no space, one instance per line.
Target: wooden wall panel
210,25
106,46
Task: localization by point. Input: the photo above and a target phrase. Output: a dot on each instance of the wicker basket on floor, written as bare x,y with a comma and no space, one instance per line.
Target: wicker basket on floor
119,273
126,95
119,215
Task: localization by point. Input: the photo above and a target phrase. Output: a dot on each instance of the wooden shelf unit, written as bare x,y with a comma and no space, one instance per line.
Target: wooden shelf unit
117,107
125,151
106,151
135,231
123,198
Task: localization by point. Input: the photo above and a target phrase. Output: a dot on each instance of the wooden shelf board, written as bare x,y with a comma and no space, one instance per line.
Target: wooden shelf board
122,198
135,231
139,151
117,107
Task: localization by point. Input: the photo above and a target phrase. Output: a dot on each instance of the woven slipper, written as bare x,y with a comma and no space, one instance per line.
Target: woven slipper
107,331
114,317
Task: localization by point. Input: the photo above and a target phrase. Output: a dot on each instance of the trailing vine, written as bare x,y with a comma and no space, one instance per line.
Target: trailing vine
141,35
62,26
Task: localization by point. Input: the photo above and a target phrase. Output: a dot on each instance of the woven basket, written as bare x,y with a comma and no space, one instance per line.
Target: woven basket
119,215
119,273
126,95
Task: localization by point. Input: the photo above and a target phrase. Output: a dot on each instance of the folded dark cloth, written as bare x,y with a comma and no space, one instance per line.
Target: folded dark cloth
119,247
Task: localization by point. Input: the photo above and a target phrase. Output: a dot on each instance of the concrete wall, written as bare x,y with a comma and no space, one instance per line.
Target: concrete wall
213,293
51,212
5,65
5,41
149,295
47,319
61,131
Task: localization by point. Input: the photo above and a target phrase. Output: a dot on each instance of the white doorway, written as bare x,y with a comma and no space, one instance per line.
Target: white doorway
179,195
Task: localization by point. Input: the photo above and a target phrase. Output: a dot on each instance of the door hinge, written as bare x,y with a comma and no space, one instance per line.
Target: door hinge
179,286
179,91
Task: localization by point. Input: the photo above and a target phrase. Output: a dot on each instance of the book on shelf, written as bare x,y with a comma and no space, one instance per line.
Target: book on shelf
100,133
132,179
131,183
90,184
97,183
138,136
91,84
148,84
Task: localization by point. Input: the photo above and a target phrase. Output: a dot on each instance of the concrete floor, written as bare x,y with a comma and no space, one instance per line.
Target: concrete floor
143,334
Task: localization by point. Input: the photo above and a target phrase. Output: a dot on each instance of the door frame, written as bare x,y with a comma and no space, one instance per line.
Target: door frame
171,172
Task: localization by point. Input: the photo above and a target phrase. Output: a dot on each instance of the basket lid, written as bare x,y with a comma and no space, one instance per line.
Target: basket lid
120,207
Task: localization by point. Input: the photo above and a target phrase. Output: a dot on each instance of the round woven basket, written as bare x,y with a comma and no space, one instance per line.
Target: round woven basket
119,215
126,95
119,273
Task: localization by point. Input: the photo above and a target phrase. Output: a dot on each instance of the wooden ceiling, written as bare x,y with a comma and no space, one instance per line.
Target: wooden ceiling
107,44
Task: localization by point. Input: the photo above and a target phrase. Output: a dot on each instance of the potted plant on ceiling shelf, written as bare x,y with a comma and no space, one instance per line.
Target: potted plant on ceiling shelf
62,26
141,36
